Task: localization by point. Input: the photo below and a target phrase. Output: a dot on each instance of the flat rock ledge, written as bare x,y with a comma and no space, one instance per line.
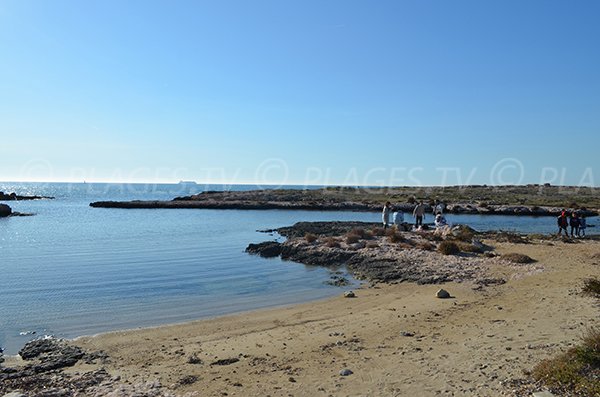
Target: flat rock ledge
15,197
43,375
392,258
302,200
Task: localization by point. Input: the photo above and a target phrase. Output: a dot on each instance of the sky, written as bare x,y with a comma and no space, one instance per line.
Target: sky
301,92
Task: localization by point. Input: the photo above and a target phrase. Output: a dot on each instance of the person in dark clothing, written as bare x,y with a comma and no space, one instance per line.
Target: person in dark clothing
574,224
563,223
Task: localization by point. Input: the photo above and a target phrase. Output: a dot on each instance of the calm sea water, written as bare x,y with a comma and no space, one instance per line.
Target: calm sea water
74,270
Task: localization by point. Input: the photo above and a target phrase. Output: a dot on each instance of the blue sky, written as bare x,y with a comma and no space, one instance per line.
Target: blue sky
300,92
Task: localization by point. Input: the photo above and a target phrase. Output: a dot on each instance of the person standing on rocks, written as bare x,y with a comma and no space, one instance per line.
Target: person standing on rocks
574,224
385,215
563,223
582,225
419,213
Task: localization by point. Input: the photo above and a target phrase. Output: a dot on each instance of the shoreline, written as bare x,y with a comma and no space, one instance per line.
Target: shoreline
482,200
284,343
396,339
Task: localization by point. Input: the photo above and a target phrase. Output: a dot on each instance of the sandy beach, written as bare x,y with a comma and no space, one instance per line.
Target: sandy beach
397,340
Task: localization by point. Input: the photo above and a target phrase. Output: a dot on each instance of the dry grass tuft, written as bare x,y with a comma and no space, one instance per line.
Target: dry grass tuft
332,242
448,248
591,287
517,258
310,238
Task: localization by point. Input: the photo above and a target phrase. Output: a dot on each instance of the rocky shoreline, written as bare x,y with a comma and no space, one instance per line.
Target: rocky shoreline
41,370
371,253
14,197
312,201
6,211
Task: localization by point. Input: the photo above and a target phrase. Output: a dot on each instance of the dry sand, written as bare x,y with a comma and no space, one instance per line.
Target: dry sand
477,343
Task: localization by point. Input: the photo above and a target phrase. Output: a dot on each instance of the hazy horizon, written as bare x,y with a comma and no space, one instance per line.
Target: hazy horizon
424,93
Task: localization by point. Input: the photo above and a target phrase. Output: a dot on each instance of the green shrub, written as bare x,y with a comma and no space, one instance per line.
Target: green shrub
576,372
448,248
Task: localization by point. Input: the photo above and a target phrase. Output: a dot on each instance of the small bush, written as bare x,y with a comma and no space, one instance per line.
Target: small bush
468,247
352,238
517,258
425,246
378,231
576,372
464,233
362,233
396,238
332,242
310,238
448,248
591,287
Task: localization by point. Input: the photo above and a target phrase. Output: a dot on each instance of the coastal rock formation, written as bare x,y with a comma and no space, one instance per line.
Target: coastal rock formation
334,199
14,197
5,210
386,256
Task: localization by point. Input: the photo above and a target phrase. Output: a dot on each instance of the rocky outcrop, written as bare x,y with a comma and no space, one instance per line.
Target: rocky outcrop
391,257
319,200
42,375
5,210
15,197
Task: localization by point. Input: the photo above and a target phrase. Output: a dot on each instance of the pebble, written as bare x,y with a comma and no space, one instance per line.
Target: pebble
346,372
349,294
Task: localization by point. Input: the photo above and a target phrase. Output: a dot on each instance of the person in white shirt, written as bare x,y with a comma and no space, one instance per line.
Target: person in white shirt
440,220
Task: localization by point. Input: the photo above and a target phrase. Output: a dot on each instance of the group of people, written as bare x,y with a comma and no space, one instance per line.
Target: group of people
397,216
576,221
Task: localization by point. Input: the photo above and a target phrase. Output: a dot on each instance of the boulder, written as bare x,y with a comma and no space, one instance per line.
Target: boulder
5,210
268,249
442,294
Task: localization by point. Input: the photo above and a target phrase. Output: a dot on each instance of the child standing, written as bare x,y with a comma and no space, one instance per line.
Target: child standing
582,225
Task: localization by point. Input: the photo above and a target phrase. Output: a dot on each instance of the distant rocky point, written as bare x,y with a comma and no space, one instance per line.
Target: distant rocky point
15,197
354,199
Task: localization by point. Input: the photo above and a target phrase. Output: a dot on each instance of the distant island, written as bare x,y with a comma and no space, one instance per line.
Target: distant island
15,197
537,200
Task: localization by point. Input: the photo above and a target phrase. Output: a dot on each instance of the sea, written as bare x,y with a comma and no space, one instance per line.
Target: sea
73,270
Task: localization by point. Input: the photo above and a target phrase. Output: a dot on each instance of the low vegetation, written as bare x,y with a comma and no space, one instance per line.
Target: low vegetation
332,242
591,287
448,248
310,238
576,372
517,258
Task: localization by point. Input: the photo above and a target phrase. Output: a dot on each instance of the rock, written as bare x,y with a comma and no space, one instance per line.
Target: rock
52,353
349,294
268,249
226,361
442,294
14,394
408,334
5,210
543,394
346,372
